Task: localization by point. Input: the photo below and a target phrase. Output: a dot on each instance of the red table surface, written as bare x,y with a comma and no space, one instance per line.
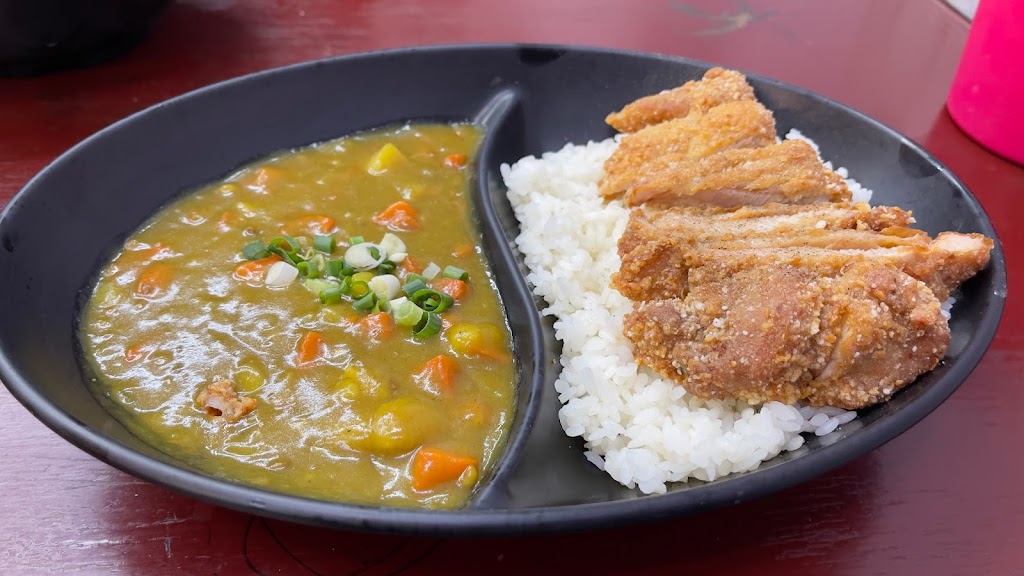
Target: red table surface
943,498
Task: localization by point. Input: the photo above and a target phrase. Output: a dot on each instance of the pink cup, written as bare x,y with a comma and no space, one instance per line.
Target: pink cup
987,97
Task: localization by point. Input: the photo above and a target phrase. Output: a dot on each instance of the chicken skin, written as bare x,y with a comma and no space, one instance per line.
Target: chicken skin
717,87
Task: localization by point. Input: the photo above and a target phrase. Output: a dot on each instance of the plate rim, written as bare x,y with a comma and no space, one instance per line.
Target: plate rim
583,516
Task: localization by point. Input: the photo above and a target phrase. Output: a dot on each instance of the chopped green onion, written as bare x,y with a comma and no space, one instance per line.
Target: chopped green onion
307,271
335,267
323,244
347,269
455,273
386,267
432,300
331,295
431,271
365,256
287,243
385,286
420,296
366,302
317,285
446,303
255,250
431,327
289,257
318,261
280,274
413,286
346,285
360,289
391,244
408,314
414,276
356,240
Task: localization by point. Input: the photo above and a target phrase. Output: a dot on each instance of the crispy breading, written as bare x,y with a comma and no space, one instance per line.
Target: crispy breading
885,329
718,86
786,333
661,268
740,124
753,277
788,172
222,400
692,225
723,340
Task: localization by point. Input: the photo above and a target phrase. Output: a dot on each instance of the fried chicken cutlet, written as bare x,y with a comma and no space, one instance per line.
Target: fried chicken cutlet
739,124
718,86
787,333
788,172
661,268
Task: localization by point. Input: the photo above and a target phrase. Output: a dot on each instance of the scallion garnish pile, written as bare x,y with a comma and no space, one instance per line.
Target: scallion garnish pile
366,276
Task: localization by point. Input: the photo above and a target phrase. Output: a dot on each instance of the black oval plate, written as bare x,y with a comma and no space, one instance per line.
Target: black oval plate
531,99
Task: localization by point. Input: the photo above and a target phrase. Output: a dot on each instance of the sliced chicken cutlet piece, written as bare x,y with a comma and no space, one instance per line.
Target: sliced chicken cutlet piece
884,329
726,338
692,225
660,268
789,172
814,238
740,124
718,86
786,333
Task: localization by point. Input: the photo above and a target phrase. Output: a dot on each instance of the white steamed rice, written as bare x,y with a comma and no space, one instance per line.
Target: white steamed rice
642,430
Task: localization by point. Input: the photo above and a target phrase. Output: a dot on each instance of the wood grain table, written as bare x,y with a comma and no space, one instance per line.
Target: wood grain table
947,497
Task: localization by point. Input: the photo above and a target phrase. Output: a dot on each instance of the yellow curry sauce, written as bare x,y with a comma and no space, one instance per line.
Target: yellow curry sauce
346,404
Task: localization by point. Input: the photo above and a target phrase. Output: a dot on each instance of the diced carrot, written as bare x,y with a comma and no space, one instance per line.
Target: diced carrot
133,353
262,178
411,266
463,250
225,221
377,326
475,413
453,287
431,467
456,160
154,280
255,271
398,216
308,349
438,374
492,353
314,223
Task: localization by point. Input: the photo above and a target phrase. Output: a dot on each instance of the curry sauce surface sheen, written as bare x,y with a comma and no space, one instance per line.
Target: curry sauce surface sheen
312,431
